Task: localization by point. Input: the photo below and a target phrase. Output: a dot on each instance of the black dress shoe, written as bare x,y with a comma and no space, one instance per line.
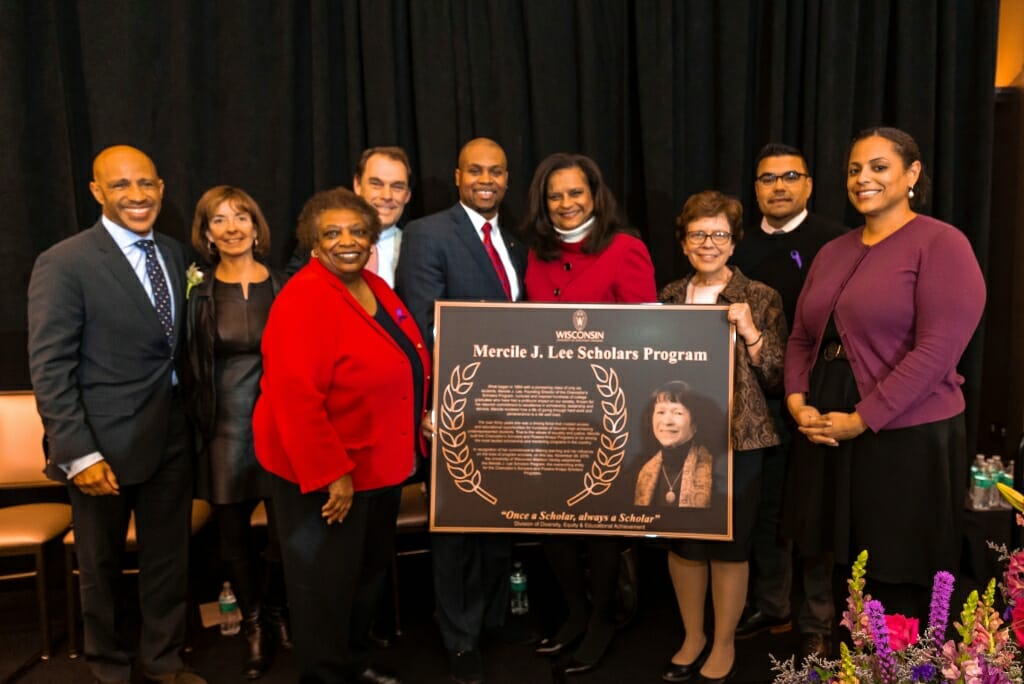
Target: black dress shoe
815,644
684,673
375,676
568,667
467,667
554,646
758,622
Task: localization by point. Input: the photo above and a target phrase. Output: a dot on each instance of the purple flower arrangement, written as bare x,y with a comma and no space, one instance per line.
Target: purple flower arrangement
891,649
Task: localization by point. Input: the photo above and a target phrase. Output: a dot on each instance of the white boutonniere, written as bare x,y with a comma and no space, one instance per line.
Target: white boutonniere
193,276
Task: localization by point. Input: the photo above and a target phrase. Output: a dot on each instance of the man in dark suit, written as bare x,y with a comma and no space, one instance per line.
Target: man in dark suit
778,253
465,253
105,314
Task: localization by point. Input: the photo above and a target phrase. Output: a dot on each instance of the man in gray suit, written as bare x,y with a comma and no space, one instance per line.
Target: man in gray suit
465,253
105,314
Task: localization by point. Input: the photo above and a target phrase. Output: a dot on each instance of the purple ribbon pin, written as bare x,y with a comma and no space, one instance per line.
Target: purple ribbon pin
795,256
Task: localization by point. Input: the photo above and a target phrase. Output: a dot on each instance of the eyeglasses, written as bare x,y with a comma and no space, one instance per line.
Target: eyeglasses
789,177
719,237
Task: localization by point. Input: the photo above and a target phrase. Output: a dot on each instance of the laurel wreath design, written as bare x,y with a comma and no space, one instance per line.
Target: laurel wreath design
455,448
453,438
608,462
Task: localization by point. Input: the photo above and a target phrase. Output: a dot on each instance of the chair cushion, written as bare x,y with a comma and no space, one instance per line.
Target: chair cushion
412,512
259,515
32,524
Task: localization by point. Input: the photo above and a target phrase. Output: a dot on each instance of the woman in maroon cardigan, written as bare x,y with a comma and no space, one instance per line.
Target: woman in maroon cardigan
345,377
582,251
871,381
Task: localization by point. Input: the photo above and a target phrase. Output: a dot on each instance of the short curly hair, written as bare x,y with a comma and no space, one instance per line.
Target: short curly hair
709,204
330,200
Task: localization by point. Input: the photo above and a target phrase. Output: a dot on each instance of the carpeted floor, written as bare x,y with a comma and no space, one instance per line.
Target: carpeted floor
638,654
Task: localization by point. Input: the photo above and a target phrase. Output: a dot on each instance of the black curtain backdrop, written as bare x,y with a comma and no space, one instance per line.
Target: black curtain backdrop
670,98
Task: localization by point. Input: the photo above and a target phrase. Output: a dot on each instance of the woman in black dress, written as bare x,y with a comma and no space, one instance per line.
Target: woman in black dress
227,310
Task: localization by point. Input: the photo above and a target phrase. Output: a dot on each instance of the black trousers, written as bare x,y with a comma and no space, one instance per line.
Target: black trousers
470,585
333,575
256,582
594,619
162,506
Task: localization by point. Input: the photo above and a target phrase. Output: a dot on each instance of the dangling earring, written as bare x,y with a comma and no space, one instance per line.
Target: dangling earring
255,242
212,247
910,192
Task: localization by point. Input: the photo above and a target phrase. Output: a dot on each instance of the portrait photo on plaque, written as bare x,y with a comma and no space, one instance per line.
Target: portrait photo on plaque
582,419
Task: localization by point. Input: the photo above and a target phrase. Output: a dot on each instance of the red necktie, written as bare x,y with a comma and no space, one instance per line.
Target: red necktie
496,260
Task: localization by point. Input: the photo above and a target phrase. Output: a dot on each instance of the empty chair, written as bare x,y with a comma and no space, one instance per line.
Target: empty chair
25,529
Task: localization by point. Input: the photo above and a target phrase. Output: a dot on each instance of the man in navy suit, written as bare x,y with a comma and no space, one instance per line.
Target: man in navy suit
465,253
105,314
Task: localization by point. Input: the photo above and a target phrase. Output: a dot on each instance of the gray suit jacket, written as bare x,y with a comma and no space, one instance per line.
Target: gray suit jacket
101,365
443,258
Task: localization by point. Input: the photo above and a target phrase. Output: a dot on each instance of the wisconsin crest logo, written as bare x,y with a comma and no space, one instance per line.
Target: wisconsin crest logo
579,332
579,319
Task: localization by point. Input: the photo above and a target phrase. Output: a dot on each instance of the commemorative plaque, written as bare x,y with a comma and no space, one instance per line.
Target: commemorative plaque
582,419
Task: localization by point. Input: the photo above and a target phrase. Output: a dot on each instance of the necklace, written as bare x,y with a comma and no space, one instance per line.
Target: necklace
670,496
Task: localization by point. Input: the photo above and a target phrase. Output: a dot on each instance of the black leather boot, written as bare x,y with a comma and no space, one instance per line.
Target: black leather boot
256,654
277,624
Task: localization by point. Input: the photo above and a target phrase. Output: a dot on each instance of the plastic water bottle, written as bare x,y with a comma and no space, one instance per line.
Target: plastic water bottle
995,474
519,601
230,615
982,487
980,482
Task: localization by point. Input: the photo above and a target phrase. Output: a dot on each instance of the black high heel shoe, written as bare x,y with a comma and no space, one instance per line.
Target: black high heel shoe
683,673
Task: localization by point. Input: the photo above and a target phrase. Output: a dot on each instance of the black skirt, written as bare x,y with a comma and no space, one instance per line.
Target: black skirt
897,493
746,498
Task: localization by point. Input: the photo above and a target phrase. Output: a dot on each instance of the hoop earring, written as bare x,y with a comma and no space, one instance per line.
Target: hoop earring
910,192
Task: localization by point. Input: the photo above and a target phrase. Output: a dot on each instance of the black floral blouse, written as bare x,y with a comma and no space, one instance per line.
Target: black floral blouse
752,425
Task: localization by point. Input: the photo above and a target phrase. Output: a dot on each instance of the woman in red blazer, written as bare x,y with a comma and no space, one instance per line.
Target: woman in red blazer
582,251
345,378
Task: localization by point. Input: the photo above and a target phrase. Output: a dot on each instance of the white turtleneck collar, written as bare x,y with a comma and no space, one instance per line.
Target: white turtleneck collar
576,234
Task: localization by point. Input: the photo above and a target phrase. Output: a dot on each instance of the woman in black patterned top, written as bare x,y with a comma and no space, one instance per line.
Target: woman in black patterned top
709,227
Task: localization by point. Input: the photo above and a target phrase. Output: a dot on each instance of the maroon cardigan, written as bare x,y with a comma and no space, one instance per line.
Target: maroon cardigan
337,392
905,309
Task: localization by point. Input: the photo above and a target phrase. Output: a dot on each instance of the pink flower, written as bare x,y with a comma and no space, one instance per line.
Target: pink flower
1015,574
1017,620
902,631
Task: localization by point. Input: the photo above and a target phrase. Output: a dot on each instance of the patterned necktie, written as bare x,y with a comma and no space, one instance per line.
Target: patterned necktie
496,260
157,280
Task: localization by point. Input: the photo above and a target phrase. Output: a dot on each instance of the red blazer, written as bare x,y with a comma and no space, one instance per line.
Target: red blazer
337,389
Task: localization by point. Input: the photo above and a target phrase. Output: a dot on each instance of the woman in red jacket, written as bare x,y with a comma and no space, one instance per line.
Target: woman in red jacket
345,377
582,251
